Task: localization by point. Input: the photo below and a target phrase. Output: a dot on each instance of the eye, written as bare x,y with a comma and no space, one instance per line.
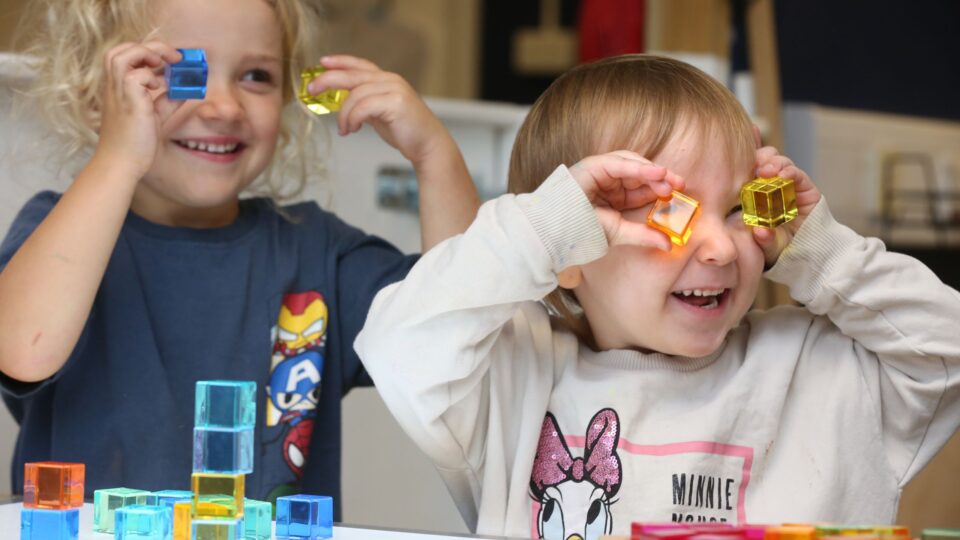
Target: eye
735,210
285,400
258,75
551,521
314,328
286,335
597,525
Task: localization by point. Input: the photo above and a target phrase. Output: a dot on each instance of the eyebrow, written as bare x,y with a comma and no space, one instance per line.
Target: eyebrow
263,58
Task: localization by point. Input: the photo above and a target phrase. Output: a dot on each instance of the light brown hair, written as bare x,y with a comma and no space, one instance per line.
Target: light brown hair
631,102
70,37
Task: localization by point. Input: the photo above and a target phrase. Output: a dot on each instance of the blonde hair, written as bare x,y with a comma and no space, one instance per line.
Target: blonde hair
70,37
633,102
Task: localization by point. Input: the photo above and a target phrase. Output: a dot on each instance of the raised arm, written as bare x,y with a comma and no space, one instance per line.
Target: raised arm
448,197
48,287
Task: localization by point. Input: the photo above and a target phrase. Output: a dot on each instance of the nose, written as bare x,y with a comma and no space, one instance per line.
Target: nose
221,103
715,244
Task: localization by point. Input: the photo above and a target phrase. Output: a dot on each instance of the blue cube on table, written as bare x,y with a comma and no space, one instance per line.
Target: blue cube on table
223,450
44,524
143,522
304,517
187,79
225,404
257,520
170,497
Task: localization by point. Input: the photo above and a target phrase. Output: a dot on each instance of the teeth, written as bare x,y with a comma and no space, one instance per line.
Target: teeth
702,292
212,148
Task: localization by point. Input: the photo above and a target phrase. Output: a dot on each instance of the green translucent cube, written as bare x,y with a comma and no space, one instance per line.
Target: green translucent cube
257,519
217,529
106,502
325,102
768,202
941,534
217,495
225,404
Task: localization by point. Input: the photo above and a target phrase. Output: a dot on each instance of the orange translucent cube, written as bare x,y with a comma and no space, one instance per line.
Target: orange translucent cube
53,485
674,216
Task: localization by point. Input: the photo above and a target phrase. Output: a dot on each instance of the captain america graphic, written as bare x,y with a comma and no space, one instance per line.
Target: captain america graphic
299,340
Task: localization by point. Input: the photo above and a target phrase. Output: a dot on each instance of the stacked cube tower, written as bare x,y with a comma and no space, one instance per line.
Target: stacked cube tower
224,419
52,497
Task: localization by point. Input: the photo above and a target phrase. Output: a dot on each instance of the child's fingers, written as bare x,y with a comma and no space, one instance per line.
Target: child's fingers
346,61
371,106
169,54
625,232
611,173
771,242
348,79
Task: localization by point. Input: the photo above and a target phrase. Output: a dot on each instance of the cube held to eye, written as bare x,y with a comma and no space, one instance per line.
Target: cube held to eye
768,202
674,216
187,79
325,102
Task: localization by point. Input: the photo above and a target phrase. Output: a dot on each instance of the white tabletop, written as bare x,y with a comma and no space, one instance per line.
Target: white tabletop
10,528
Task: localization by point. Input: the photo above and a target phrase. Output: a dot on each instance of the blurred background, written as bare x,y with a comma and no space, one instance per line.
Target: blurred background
862,95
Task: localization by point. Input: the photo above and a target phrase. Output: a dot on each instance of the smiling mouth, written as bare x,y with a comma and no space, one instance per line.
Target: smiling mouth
229,148
702,298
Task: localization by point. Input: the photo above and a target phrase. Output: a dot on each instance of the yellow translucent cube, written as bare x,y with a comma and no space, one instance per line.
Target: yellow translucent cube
674,216
768,202
217,495
53,485
325,102
181,520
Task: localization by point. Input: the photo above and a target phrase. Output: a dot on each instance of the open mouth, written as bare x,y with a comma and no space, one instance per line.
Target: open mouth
209,148
703,298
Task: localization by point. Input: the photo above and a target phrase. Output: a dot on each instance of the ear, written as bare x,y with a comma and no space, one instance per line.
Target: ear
570,277
756,136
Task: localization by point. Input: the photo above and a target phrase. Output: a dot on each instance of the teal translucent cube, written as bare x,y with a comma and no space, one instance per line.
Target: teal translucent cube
304,517
225,404
44,524
257,520
106,502
170,497
143,522
223,450
217,529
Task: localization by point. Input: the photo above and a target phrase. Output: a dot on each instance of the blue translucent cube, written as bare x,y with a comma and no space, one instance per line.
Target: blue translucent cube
304,517
217,529
257,520
225,404
187,79
217,450
170,497
142,522
44,524
106,502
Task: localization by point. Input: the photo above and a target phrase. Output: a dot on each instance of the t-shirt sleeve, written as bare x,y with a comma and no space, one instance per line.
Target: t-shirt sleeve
30,216
365,264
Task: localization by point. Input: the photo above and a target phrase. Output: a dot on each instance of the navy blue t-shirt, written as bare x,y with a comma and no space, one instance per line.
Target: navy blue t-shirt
270,298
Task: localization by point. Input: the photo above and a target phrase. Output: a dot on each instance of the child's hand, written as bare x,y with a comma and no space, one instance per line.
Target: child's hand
770,163
385,101
625,180
129,120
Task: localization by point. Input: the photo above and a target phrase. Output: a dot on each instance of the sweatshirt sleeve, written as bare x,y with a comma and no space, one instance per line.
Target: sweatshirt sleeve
902,321
459,350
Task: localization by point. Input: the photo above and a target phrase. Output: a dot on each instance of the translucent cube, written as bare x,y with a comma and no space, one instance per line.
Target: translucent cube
169,497
46,524
217,529
257,520
768,202
225,404
223,450
53,485
142,522
106,502
304,517
217,495
181,520
328,101
187,79
674,216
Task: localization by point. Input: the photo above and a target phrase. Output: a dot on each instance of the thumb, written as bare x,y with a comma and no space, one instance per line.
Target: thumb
771,242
